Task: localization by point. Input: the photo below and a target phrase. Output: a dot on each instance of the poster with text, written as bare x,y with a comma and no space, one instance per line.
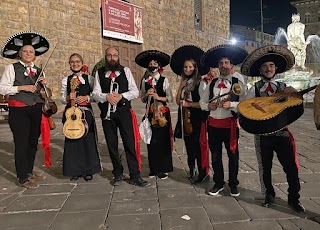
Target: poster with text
122,20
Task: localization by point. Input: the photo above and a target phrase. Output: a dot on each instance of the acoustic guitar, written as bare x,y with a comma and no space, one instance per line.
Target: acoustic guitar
75,126
265,115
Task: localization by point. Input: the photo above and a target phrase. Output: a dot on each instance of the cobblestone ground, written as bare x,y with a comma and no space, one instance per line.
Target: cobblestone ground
59,204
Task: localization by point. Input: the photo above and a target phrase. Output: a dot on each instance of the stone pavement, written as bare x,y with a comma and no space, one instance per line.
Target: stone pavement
59,204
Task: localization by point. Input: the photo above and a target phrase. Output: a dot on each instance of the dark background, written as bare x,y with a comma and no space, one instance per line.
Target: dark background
277,13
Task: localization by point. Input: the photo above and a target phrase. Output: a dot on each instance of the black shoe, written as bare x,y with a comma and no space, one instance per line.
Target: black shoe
162,176
201,179
117,180
234,192
297,206
88,177
139,182
192,173
151,175
268,201
215,190
74,178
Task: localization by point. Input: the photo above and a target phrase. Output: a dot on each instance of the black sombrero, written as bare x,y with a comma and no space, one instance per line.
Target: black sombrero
143,59
279,55
12,46
184,53
235,53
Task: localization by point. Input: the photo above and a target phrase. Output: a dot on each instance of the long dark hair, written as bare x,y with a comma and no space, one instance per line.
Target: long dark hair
195,75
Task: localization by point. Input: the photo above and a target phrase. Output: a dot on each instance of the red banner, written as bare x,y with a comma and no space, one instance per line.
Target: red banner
122,20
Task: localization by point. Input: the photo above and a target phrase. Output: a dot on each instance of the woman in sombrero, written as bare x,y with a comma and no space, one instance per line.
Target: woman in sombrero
156,92
185,62
25,102
266,62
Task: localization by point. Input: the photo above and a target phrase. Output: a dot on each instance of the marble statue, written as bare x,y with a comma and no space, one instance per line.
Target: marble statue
296,41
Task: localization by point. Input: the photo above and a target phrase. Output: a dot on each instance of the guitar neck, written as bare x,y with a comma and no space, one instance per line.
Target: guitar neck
307,90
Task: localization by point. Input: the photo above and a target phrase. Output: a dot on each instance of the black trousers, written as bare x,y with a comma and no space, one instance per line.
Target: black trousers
123,121
192,143
283,147
217,136
25,124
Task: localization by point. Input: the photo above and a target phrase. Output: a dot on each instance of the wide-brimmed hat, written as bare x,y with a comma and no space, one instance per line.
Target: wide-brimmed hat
143,59
235,53
184,53
279,55
12,46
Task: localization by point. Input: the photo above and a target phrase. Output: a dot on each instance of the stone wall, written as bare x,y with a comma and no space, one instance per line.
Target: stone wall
76,27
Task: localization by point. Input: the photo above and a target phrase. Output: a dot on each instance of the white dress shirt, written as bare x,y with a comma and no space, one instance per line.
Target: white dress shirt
252,91
131,94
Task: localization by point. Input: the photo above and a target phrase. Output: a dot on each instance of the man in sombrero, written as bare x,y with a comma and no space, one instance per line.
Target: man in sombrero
156,92
266,62
25,103
222,121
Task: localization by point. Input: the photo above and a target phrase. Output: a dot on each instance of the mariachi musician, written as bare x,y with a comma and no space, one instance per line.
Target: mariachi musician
80,157
266,62
222,121
25,103
185,61
156,93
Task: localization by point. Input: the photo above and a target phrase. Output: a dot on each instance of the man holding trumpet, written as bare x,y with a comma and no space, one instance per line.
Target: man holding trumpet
221,98
114,88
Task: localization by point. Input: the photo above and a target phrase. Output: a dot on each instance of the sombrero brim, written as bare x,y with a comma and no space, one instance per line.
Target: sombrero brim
184,53
143,59
235,53
12,46
279,55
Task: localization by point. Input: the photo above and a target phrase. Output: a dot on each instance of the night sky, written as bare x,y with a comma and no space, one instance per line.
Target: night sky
277,13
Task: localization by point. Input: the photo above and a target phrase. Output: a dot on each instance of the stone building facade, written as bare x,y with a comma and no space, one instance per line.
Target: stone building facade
75,26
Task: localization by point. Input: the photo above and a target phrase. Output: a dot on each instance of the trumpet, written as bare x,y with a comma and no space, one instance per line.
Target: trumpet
114,88
236,89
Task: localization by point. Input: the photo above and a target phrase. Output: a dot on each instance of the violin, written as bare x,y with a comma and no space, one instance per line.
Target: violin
49,107
187,126
158,116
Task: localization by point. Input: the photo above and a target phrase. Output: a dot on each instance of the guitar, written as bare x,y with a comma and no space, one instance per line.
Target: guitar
265,115
75,126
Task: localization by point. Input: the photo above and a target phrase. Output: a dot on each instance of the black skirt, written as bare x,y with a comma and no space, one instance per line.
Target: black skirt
81,156
159,149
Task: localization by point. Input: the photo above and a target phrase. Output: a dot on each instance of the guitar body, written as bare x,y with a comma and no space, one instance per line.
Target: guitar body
75,126
263,115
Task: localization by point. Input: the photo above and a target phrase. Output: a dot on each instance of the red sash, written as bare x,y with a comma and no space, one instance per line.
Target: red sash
136,135
45,137
15,103
204,147
227,123
294,149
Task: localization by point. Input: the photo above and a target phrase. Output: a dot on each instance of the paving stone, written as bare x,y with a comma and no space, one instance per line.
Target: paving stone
28,228
26,220
256,211
305,224
134,222
171,219
249,225
48,189
89,202
174,181
175,198
287,225
125,186
223,209
307,189
134,207
38,202
10,188
7,199
314,177
80,221
139,194
92,188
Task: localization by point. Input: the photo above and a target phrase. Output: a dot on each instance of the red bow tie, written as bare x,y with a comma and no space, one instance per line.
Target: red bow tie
208,78
113,75
269,88
221,84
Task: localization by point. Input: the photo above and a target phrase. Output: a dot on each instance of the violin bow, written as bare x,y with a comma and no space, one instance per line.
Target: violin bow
42,69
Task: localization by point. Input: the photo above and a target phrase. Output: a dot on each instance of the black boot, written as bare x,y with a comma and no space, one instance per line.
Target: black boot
192,173
296,206
268,201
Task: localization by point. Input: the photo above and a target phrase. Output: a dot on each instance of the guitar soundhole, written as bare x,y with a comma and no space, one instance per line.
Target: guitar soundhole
280,99
73,117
